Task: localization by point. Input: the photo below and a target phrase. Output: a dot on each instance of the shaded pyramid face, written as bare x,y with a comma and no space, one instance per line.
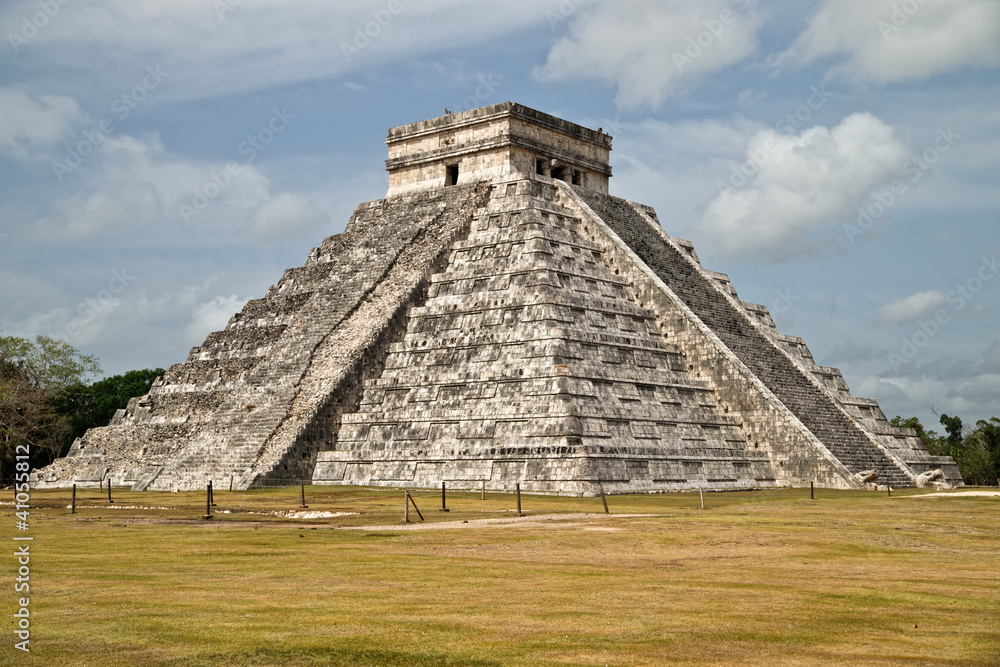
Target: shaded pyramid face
826,421
256,401
489,324
533,362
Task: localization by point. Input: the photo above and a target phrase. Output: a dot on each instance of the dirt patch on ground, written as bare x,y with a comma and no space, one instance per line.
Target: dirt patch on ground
571,520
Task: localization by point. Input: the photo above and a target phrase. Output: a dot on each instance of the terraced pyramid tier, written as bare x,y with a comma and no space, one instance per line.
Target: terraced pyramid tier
500,319
532,362
259,399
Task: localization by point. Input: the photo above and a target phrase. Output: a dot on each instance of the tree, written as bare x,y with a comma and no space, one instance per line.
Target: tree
953,427
90,406
28,425
47,363
977,455
981,453
20,406
31,375
989,432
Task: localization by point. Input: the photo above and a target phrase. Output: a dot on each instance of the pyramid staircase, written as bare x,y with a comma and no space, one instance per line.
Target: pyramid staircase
253,402
533,363
488,324
793,385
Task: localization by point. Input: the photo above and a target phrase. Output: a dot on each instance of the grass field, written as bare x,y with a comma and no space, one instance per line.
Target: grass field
764,577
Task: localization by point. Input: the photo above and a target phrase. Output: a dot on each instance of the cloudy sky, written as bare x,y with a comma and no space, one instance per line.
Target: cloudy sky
161,162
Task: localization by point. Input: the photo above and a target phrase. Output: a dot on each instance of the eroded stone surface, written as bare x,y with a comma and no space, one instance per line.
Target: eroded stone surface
498,326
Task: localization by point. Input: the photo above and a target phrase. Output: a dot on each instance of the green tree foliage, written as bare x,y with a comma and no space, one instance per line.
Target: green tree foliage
46,402
953,427
989,432
977,454
31,375
981,453
89,406
48,364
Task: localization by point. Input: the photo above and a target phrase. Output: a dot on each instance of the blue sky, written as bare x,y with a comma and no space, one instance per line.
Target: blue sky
163,162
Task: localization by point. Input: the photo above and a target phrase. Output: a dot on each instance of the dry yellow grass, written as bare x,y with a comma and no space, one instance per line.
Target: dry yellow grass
765,577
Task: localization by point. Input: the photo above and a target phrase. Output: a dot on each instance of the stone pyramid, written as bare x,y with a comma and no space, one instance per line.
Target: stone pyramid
500,319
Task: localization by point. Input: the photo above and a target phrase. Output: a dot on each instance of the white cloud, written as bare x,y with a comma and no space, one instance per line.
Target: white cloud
991,357
931,386
673,166
749,96
105,317
34,123
84,215
883,41
904,396
286,217
972,396
49,323
129,181
225,46
211,316
651,50
982,389
911,308
793,188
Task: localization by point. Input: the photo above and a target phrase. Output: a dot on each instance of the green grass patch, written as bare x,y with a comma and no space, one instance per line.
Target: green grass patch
765,577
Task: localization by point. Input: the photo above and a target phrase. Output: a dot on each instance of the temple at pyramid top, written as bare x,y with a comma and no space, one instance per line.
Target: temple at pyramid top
498,140
499,320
